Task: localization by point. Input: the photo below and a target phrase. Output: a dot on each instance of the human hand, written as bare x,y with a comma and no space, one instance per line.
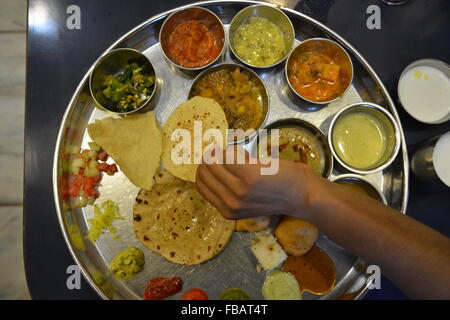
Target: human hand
240,190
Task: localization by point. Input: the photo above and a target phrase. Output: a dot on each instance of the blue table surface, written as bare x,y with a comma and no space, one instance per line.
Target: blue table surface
57,59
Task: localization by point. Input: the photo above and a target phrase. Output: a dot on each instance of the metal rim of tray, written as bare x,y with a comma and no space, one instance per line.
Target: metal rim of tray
405,182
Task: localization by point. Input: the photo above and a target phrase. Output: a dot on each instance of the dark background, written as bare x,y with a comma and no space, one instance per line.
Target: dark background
57,59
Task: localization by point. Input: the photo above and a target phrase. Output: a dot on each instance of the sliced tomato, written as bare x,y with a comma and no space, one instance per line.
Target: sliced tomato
107,168
102,166
95,179
102,155
75,186
113,168
195,294
90,183
84,186
85,182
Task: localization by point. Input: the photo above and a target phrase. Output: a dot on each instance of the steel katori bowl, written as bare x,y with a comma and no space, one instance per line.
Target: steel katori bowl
302,124
392,136
330,48
113,63
271,13
263,99
208,19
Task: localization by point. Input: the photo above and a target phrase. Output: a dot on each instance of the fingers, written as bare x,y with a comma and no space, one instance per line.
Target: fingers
228,179
212,198
227,159
221,187
209,180
236,155
236,160
215,192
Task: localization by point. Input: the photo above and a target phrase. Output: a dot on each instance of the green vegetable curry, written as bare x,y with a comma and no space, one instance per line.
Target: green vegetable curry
259,42
130,89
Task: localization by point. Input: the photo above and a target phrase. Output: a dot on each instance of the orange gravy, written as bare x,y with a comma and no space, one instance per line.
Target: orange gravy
314,271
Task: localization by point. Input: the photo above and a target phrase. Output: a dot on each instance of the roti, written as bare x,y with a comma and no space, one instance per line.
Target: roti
175,221
134,143
198,111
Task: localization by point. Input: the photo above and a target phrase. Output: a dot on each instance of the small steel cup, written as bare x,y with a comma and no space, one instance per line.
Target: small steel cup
330,48
423,162
294,122
433,63
113,63
272,14
390,125
360,181
207,18
264,99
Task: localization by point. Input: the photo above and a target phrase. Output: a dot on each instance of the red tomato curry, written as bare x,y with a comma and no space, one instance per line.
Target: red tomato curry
192,45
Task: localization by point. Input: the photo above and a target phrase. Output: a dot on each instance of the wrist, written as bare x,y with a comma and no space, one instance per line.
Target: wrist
313,188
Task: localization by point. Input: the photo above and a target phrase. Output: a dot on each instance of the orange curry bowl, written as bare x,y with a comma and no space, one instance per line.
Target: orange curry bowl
319,71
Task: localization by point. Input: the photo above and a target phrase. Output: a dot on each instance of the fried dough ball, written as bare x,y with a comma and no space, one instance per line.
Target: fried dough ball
296,236
252,224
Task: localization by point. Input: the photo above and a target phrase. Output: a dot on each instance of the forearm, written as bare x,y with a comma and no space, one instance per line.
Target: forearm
411,254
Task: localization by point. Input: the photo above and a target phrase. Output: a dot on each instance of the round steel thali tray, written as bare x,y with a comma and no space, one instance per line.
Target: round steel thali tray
236,265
